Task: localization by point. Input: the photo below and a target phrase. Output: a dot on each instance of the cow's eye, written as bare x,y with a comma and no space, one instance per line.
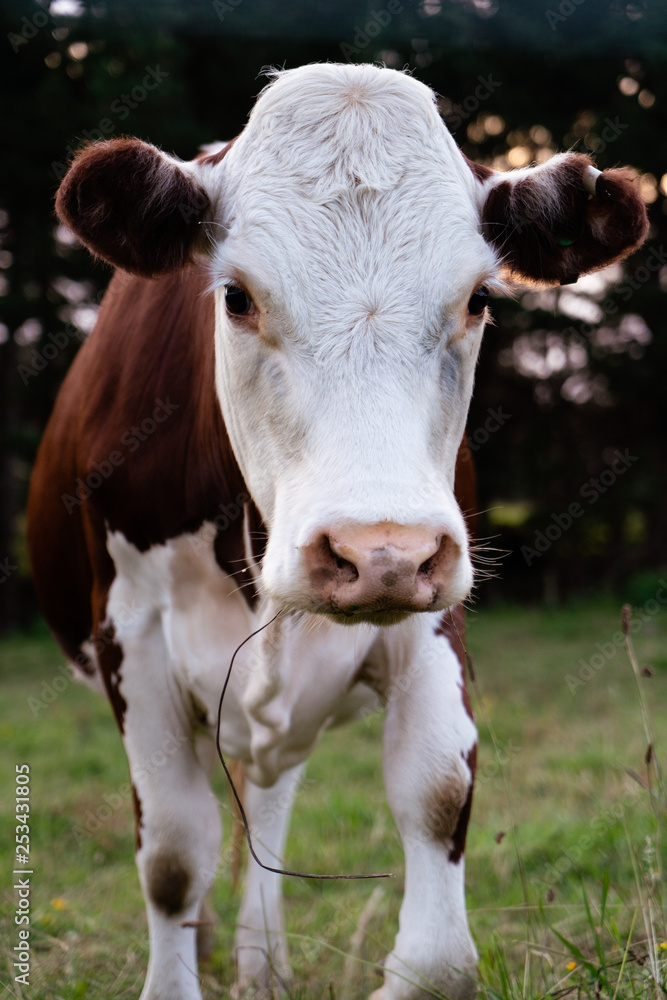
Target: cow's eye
237,302
478,301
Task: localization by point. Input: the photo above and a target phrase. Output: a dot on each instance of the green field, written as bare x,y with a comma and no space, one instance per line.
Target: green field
564,866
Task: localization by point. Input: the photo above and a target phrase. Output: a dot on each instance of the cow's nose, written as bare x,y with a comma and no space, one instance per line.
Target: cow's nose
361,569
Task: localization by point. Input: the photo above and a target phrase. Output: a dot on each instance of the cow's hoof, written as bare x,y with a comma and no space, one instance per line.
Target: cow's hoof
463,989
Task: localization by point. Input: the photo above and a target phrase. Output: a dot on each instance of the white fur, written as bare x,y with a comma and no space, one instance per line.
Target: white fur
288,685
350,407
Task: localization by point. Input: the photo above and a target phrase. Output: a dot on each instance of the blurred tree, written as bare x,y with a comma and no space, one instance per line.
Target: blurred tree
580,378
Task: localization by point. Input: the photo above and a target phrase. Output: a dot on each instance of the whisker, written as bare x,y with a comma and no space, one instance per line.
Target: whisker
248,583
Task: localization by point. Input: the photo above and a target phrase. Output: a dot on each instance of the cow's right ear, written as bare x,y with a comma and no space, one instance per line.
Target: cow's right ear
133,206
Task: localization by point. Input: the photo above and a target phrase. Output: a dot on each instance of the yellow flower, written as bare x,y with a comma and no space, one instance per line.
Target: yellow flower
571,966
663,946
59,903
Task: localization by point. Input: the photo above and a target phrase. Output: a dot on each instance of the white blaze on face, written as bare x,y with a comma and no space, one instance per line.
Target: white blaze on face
352,225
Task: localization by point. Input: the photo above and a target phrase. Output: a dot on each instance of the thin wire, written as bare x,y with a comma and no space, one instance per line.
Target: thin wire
268,868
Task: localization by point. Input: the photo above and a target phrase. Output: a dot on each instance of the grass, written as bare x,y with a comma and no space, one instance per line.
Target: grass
565,853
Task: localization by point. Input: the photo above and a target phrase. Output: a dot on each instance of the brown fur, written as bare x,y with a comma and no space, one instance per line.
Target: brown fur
481,172
153,341
448,810
132,208
138,815
461,829
168,882
549,230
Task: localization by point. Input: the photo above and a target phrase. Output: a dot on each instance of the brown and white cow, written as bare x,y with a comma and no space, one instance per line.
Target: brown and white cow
276,391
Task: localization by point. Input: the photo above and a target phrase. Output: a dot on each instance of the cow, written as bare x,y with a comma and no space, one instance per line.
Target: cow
266,428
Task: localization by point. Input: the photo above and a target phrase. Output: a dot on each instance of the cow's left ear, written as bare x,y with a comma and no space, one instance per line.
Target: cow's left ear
556,221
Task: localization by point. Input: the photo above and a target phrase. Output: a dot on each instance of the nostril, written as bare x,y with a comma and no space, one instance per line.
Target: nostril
446,549
347,570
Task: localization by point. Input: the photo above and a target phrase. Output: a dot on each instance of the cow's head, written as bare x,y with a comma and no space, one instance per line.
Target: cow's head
351,246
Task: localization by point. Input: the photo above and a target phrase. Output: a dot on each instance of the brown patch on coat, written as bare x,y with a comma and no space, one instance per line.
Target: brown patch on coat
111,658
61,568
465,487
461,830
552,240
136,805
133,208
481,172
167,881
452,627
452,624
153,342
449,808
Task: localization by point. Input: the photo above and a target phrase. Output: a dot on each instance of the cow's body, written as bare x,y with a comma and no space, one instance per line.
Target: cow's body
206,469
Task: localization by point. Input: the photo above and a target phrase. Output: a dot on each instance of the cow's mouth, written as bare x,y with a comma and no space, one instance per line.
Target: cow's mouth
379,617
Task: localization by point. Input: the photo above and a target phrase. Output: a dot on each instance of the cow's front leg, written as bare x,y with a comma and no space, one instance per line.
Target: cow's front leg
262,963
429,761
178,823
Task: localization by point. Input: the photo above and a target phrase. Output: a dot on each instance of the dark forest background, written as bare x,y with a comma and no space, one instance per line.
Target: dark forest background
567,377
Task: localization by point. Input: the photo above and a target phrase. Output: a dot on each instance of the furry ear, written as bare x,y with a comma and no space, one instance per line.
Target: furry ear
133,206
554,222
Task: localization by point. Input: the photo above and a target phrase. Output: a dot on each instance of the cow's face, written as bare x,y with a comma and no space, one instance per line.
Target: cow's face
350,247
350,308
